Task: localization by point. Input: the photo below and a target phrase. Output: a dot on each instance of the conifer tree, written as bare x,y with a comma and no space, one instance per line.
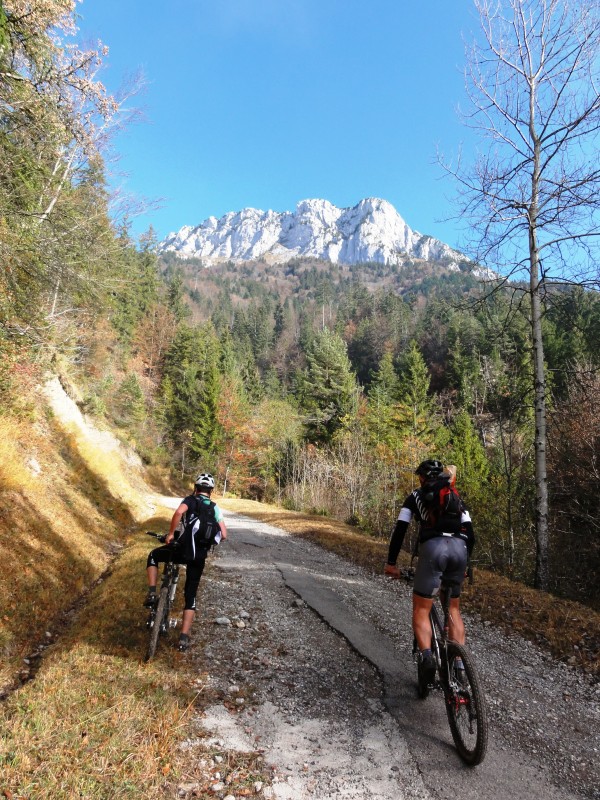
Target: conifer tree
206,430
382,409
467,453
385,381
190,389
329,389
416,417
175,298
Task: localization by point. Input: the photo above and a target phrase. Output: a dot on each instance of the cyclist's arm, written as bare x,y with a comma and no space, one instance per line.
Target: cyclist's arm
466,531
398,535
175,520
221,522
409,508
223,529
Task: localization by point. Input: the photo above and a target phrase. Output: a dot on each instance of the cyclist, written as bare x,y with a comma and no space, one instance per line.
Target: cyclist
203,487
444,547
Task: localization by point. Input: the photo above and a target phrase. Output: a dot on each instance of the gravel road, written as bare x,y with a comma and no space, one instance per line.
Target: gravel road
310,662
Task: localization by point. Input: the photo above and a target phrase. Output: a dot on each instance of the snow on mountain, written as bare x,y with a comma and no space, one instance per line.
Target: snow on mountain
372,230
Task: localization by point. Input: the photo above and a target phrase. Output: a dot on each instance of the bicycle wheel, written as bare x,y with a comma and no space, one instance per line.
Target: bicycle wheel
465,706
159,620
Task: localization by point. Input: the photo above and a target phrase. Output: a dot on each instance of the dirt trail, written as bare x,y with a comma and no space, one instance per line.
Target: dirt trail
336,720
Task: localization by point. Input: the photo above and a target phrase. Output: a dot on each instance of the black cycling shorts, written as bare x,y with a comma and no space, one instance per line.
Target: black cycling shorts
193,571
441,558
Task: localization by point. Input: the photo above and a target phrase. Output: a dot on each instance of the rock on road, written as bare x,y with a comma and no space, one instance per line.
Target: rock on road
316,654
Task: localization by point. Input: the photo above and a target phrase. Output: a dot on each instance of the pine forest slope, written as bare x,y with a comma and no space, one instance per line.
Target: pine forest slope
397,362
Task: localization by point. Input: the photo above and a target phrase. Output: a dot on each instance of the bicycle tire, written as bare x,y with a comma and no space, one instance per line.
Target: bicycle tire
466,709
161,610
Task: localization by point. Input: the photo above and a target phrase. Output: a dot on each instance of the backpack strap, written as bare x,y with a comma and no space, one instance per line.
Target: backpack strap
194,511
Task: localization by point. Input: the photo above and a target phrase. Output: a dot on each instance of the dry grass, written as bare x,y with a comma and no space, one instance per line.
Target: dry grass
122,480
98,722
569,630
13,472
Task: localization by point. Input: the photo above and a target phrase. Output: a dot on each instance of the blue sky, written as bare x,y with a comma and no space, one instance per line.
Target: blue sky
265,103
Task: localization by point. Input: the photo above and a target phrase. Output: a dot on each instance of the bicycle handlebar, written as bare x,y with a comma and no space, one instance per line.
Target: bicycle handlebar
162,537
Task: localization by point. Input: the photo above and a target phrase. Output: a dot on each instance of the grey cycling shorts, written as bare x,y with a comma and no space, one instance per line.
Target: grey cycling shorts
441,558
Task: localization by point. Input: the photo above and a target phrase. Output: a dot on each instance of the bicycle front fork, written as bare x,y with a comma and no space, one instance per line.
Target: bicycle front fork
173,589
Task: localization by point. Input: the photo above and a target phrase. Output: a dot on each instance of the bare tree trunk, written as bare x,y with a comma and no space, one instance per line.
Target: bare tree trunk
55,298
59,188
508,474
541,477
539,369
225,481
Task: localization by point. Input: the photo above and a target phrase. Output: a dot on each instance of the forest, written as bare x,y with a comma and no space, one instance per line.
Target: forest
316,386
327,405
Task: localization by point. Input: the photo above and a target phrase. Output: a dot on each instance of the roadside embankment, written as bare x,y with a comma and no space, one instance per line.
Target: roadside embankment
97,721
69,493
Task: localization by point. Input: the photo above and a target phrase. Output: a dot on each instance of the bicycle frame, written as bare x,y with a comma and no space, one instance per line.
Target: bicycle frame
170,579
440,635
159,617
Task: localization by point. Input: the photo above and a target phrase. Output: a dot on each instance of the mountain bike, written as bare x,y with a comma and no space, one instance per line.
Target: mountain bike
159,620
462,689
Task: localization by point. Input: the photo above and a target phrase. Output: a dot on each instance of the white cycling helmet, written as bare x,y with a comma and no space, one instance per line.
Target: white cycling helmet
205,480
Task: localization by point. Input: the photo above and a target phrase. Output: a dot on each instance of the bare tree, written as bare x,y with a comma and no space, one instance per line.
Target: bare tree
532,78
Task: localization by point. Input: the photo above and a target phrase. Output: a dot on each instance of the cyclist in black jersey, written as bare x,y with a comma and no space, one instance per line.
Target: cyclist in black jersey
203,487
444,547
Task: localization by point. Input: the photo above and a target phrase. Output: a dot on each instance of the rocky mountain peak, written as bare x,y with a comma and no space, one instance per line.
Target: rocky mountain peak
372,230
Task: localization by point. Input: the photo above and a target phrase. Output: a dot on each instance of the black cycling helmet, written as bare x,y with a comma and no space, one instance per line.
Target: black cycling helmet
430,468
